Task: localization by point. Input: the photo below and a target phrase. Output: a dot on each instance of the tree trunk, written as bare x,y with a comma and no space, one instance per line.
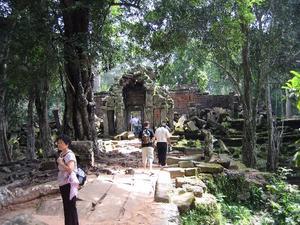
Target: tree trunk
274,139
55,113
4,148
41,104
288,105
249,138
79,103
208,144
6,27
30,127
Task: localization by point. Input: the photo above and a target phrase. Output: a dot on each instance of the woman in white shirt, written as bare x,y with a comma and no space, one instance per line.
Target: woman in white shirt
67,166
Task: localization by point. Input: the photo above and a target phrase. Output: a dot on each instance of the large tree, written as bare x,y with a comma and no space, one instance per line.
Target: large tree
6,24
233,35
82,19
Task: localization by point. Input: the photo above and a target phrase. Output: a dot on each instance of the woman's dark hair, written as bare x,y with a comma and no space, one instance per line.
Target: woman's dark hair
64,138
146,123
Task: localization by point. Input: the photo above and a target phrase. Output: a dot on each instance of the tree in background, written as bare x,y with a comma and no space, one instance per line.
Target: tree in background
233,35
78,30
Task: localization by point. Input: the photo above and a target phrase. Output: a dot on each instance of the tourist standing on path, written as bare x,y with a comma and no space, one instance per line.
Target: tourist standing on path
162,136
147,138
67,180
135,122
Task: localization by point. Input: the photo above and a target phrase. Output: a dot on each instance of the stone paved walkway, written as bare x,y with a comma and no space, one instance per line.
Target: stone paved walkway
108,200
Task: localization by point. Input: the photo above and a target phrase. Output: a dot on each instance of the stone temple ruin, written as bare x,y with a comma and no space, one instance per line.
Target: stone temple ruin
136,94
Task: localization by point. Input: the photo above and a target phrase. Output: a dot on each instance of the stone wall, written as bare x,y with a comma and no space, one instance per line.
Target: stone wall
134,91
183,99
98,98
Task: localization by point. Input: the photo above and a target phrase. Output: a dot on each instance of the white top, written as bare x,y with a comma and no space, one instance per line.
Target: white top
162,134
134,121
62,177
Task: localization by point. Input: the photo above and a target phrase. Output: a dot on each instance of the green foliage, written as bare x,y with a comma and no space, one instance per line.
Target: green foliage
236,214
293,85
203,215
284,199
235,189
188,143
296,159
277,203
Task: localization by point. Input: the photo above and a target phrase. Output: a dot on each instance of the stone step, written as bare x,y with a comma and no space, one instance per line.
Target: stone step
163,187
174,160
209,167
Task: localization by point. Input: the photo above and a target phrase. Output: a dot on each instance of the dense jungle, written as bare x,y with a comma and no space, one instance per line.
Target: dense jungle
223,76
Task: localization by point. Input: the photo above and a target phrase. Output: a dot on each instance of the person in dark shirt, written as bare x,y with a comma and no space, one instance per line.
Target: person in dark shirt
147,137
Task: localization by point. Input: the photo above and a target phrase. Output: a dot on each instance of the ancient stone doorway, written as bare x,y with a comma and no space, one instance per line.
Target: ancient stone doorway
135,93
136,112
111,122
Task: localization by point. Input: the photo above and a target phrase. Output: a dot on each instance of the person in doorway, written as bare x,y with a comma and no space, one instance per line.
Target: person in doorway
147,137
67,180
135,122
162,136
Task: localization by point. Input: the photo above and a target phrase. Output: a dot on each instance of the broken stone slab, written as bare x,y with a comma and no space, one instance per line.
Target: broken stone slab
180,122
209,167
175,160
183,201
191,126
205,177
124,136
175,172
193,181
163,187
221,159
206,200
190,172
237,165
197,190
185,164
130,136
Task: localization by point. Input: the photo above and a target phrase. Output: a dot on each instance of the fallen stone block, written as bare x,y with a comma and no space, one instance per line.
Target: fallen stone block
221,159
208,205
175,160
190,172
175,172
183,201
185,164
209,168
237,165
163,187
197,190
193,181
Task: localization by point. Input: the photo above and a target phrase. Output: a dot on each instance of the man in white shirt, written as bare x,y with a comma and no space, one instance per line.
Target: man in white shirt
135,125
162,136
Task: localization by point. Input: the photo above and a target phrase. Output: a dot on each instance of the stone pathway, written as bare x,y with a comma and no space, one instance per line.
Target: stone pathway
126,199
